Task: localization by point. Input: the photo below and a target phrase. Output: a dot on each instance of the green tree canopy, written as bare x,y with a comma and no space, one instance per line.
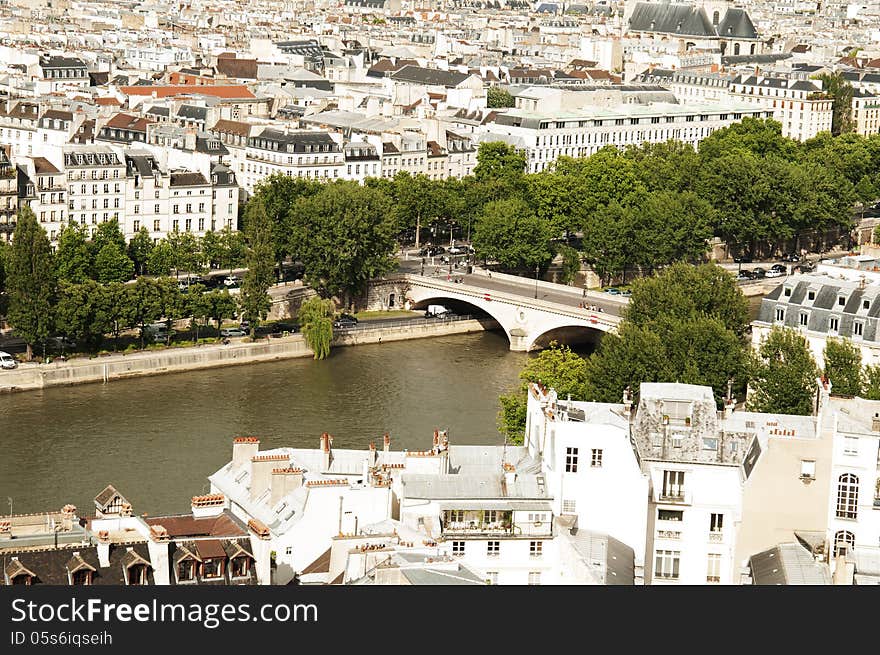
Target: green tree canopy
509,233
347,238
316,321
161,259
843,366
254,298
30,283
783,375
841,92
496,97
139,249
112,264
74,259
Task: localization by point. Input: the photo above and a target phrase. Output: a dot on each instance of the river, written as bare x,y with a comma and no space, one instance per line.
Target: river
157,439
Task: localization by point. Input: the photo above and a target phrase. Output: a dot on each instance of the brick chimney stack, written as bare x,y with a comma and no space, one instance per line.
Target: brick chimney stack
261,472
261,547
373,454
158,546
326,451
284,480
210,505
243,448
68,514
104,548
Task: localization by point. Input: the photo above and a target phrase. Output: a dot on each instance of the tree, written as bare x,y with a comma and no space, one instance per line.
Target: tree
108,232
557,367
316,321
234,248
221,304
30,281
279,194
161,258
212,249
841,92
496,98
197,306
416,201
186,255
626,359
609,241
112,264
143,304
509,233
783,375
843,366
114,309
73,258
671,226
347,240
254,297
755,136
75,311
571,262
4,254
683,292
871,389
500,170
139,249
170,302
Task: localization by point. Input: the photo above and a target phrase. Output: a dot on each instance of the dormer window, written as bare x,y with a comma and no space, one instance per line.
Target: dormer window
82,578
787,292
240,567
137,574
866,303
212,569
186,571
811,295
841,301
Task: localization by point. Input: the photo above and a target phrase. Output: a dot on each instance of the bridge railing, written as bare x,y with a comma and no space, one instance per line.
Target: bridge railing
406,322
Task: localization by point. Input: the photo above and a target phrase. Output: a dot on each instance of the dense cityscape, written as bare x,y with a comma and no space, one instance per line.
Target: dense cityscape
628,249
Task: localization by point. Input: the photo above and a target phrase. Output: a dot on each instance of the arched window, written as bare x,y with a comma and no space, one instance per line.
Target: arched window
736,48
847,496
752,50
844,542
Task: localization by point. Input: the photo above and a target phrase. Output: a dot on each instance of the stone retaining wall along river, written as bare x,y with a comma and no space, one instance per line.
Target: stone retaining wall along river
32,376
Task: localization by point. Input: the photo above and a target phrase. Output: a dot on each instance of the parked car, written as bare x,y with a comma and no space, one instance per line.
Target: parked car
244,325
745,275
232,281
791,257
7,361
233,332
344,322
61,343
758,273
743,259
775,272
614,291
436,310
457,250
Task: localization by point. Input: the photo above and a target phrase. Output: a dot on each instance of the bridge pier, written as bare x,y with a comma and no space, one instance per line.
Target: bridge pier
519,340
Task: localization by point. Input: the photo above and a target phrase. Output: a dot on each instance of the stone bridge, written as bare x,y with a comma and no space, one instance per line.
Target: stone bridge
530,322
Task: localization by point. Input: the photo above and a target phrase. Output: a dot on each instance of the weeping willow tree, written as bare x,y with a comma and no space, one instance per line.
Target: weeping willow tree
316,320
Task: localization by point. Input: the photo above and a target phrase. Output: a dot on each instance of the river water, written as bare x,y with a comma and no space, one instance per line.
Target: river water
156,439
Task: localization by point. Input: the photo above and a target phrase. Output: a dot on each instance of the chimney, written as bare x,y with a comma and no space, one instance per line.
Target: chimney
436,442
627,398
373,454
5,528
823,393
68,514
210,505
261,547
104,548
386,443
158,546
189,141
125,510
326,452
509,475
261,472
243,448
284,481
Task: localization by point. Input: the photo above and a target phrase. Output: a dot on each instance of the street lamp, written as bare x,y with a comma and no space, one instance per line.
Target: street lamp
537,269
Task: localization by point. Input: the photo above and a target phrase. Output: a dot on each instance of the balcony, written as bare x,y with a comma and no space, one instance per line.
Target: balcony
474,523
716,537
674,535
673,496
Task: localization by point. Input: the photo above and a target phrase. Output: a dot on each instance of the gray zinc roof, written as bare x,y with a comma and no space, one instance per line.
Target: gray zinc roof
788,564
737,24
671,18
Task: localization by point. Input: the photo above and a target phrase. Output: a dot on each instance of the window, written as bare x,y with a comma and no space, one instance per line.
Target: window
850,446
136,225
81,578
844,542
673,484
670,515
803,319
186,571
458,548
536,548
841,300
713,570
289,550
787,292
808,469
866,304
569,506
534,577
847,496
490,516
491,577
596,458
137,574
571,460
666,564
493,548
240,567
833,324
858,328
780,314
212,568
716,522
155,226
710,443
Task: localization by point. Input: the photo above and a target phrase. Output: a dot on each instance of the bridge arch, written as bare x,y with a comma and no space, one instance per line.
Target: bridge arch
570,335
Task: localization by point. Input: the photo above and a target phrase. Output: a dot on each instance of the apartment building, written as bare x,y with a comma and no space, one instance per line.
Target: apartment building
545,136
146,196
96,179
18,126
41,186
8,194
308,154
800,105
865,112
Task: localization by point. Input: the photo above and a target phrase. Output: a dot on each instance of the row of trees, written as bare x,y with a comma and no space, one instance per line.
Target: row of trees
105,257
83,291
688,325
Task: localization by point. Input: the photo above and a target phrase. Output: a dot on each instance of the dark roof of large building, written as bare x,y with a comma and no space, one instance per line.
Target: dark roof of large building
294,141
61,62
429,76
188,526
53,566
671,18
737,24
244,69
187,179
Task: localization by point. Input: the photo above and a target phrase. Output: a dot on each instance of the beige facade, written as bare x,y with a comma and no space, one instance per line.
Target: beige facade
779,499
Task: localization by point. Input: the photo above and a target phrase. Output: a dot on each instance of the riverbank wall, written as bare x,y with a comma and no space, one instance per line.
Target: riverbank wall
106,368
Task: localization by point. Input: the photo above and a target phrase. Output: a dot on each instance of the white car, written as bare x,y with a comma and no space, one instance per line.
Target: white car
7,360
233,332
775,273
